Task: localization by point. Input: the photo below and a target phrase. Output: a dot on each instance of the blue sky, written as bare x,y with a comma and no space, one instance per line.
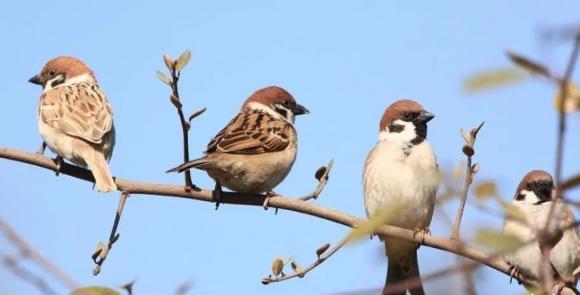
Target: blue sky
345,60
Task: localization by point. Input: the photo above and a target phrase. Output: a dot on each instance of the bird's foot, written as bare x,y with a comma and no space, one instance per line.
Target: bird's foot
422,233
562,283
216,195
58,161
42,148
514,273
269,195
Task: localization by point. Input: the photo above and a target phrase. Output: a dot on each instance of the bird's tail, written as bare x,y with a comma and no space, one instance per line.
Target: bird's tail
100,169
403,268
197,163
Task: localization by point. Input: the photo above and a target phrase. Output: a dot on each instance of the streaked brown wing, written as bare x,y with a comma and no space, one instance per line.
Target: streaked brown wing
79,110
252,132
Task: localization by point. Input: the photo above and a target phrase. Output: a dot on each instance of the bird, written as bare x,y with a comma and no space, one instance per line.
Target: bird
534,198
255,151
75,118
401,172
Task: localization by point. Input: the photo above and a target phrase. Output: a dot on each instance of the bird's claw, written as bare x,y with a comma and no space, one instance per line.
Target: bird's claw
42,148
514,273
423,233
269,195
58,161
216,195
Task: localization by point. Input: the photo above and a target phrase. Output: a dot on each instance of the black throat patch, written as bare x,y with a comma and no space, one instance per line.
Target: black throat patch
420,131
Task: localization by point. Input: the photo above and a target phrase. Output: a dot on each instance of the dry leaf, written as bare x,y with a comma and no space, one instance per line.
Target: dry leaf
369,226
572,102
169,63
94,291
163,78
485,190
528,64
183,60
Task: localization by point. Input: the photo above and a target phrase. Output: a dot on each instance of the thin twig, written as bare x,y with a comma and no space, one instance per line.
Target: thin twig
570,183
27,251
470,171
562,112
39,283
546,278
301,273
184,128
322,176
102,251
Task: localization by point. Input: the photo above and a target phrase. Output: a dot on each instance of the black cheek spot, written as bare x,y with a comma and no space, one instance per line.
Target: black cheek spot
520,197
396,128
282,112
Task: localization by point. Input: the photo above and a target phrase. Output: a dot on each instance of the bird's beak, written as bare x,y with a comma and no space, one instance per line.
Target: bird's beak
36,79
425,117
300,110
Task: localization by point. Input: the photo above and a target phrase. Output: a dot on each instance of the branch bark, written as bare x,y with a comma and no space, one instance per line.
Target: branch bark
141,188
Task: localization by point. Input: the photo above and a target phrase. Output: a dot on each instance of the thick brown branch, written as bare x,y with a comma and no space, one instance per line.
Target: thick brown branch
135,188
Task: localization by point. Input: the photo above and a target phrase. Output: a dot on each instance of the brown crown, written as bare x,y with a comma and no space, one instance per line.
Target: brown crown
67,65
533,176
398,108
270,95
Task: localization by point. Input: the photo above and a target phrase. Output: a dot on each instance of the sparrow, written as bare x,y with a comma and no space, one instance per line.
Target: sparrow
401,172
257,148
534,198
75,119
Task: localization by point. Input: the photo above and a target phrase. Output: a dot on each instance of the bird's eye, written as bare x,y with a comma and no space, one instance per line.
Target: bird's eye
51,73
407,116
286,103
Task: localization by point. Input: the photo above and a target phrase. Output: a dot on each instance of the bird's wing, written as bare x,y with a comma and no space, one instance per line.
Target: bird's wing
79,110
252,132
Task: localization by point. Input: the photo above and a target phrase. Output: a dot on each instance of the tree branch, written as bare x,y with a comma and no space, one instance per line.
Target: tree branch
141,188
27,251
562,112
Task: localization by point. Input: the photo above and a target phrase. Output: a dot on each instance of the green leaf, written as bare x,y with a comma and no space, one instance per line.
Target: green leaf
94,291
492,79
369,226
497,240
163,78
183,60
485,190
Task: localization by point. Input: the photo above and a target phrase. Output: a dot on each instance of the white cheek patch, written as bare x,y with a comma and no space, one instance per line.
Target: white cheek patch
75,80
406,135
266,109
530,197
289,115
49,83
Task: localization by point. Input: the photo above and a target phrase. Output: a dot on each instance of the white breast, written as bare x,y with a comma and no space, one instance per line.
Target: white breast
392,178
